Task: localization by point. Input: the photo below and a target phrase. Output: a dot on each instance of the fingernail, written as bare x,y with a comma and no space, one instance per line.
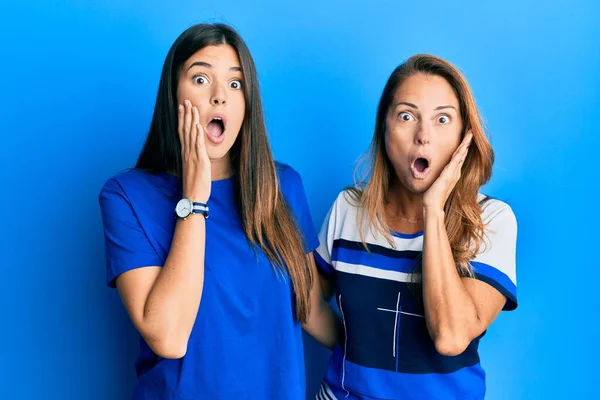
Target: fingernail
180,107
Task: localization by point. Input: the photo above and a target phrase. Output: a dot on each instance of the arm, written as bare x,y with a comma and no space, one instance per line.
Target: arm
322,324
457,309
163,302
326,287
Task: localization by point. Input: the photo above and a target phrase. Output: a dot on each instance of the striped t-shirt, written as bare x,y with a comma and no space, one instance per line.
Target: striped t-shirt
388,353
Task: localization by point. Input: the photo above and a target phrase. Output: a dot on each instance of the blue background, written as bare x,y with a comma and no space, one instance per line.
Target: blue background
78,82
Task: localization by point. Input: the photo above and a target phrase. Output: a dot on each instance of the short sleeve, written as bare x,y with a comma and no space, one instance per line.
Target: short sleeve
326,238
291,182
496,262
126,245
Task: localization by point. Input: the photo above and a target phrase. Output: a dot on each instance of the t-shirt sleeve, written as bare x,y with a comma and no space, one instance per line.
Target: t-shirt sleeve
326,238
496,262
126,245
301,211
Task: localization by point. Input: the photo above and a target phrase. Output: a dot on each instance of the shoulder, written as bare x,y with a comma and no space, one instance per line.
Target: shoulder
497,213
345,205
349,199
134,181
287,175
124,180
290,182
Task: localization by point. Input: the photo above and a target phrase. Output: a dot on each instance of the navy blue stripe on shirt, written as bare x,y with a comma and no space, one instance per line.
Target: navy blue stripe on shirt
498,280
380,338
376,249
407,235
361,257
322,265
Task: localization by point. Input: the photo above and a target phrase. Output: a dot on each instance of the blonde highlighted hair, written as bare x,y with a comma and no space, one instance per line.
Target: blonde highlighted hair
374,173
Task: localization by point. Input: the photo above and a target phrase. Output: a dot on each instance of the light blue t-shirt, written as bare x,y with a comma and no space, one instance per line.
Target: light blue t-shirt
246,342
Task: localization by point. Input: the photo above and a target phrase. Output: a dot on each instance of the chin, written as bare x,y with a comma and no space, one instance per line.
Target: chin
217,152
416,186
418,189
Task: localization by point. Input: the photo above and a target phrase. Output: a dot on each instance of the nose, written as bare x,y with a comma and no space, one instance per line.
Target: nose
218,96
422,136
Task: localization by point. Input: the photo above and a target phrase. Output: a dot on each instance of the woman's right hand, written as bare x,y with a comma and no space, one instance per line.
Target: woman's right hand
196,177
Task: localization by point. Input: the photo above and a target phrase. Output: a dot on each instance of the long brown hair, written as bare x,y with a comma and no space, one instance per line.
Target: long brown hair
267,219
374,173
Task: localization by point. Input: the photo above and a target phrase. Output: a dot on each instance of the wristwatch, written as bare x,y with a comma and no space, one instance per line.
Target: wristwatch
186,207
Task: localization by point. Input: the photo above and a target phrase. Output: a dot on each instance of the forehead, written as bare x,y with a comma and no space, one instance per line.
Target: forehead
221,56
426,91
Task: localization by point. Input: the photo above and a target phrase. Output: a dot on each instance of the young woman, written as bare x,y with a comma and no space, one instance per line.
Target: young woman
209,241
421,263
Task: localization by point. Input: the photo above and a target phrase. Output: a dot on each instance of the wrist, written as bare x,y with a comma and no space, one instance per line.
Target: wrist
433,213
196,197
187,207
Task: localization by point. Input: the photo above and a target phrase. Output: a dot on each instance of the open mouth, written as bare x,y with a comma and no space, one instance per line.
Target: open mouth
420,167
421,164
216,128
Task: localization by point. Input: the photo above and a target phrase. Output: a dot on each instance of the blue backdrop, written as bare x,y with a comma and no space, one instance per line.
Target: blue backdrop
78,82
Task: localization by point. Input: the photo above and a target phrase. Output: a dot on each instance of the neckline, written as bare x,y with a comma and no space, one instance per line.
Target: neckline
402,235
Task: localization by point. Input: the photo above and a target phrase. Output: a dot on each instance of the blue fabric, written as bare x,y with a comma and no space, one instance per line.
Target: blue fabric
245,343
498,280
382,384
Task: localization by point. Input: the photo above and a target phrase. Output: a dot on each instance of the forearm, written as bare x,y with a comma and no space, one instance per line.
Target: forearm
172,303
323,325
449,309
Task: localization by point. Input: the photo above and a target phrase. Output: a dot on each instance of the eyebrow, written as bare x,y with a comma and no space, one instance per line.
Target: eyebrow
207,65
411,105
443,107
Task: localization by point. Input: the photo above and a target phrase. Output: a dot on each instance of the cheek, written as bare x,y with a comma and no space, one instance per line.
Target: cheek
238,108
199,96
445,156
183,93
445,142
240,102
389,147
453,136
397,145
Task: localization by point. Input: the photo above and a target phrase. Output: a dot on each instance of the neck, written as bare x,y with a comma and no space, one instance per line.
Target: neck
403,204
221,168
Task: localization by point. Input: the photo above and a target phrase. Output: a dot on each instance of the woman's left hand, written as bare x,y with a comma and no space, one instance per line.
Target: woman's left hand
435,197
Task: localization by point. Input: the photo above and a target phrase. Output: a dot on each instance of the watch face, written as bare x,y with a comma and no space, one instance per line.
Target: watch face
184,208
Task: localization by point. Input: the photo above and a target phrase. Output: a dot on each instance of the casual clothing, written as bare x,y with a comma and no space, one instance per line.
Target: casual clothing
388,353
245,342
